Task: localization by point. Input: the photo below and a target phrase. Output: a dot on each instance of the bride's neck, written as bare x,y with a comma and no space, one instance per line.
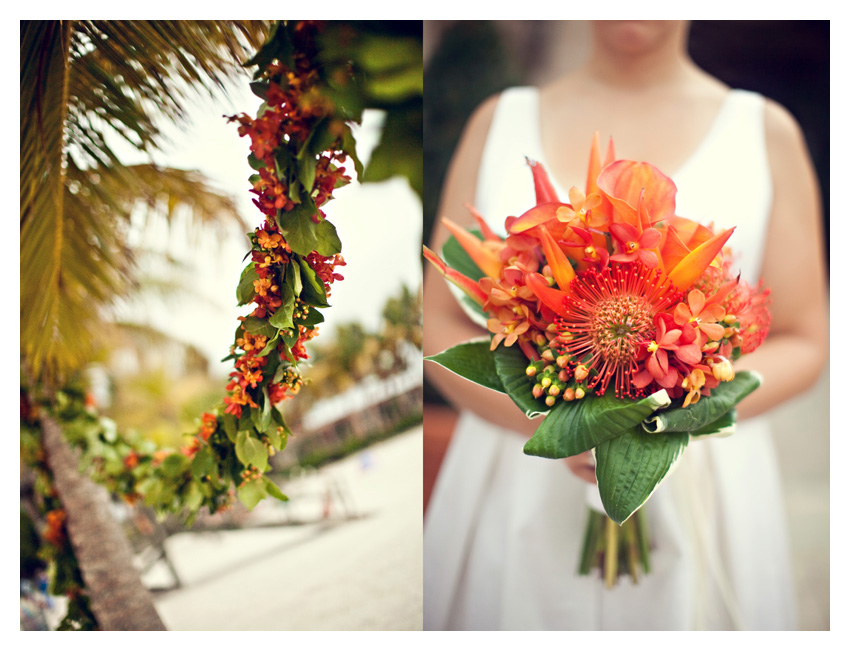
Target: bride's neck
665,65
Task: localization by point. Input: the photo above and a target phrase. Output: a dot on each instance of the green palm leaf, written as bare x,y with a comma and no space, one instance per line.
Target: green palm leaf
82,84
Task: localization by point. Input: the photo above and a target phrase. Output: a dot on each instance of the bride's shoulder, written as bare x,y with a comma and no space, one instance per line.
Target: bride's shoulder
478,126
780,125
482,117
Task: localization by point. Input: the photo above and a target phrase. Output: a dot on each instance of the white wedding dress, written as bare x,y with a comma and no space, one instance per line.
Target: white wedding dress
503,530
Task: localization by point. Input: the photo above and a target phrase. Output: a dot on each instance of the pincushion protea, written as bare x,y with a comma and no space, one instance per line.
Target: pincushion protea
608,314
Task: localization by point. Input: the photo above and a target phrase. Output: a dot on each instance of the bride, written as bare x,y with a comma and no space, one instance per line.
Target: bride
502,531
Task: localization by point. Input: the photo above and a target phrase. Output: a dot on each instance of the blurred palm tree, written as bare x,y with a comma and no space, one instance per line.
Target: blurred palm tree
85,86
403,317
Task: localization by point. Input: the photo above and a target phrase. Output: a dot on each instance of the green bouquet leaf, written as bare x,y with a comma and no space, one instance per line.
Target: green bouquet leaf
723,426
473,361
708,409
511,363
459,260
630,467
575,427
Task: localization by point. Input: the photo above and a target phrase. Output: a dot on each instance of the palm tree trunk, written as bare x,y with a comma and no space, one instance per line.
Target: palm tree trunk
117,597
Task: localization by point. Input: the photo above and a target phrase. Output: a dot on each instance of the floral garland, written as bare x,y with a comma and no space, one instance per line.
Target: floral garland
299,139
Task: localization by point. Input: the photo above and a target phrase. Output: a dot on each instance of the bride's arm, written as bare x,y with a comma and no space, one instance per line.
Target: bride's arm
793,355
445,323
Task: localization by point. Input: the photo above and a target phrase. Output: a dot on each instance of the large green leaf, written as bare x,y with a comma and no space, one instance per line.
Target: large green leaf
282,317
722,427
258,326
299,229
708,409
251,451
630,467
327,240
304,235
471,360
245,290
511,363
575,427
313,290
251,492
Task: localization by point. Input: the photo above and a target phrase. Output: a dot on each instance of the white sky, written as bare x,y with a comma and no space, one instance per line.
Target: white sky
380,226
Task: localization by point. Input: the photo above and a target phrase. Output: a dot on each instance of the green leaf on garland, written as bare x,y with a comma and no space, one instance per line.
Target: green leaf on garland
307,172
270,346
313,318
174,465
278,45
255,163
349,147
471,360
328,242
282,318
266,413
319,140
244,423
275,437
400,147
571,428
192,498
274,491
202,463
293,277
257,326
230,427
251,451
285,166
313,290
708,409
299,229
511,363
630,467
251,492
245,290
259,88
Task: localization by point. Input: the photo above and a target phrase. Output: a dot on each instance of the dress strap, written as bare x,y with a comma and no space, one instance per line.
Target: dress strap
727,181
504,179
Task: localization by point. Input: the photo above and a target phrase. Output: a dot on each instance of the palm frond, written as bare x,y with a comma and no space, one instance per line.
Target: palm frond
142,338
80,82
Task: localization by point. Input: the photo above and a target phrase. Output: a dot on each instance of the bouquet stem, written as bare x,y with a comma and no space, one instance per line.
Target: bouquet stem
615,550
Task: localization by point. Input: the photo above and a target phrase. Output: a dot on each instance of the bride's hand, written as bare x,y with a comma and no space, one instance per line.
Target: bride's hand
582,466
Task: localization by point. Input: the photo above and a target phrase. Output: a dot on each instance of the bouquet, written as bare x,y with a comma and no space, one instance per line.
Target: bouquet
618,321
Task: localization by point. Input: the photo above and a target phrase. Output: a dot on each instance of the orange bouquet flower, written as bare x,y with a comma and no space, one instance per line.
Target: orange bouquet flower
616,319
